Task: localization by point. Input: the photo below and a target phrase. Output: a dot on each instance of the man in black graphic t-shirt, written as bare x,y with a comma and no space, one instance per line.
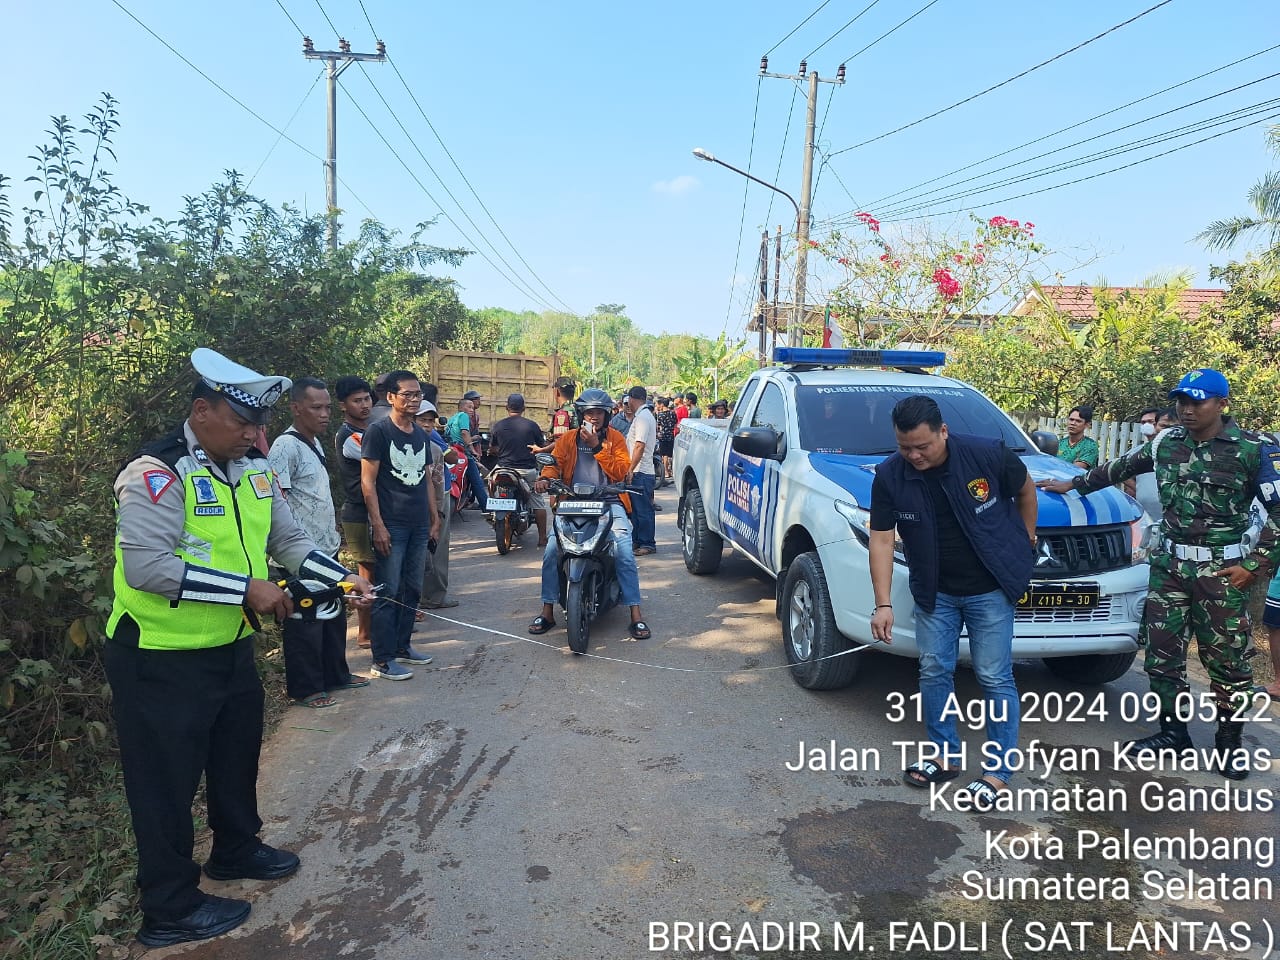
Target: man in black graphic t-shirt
402,518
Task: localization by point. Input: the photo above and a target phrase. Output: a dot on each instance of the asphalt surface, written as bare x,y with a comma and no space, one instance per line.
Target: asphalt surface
513,800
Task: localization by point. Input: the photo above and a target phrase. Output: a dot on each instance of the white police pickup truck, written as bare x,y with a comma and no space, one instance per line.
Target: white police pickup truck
787,482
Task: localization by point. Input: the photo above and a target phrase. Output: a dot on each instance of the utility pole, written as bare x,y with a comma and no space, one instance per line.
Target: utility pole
795,329
762,311
336,61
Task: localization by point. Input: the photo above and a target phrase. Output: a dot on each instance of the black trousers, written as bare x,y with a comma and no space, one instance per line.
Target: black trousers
181,713
315,655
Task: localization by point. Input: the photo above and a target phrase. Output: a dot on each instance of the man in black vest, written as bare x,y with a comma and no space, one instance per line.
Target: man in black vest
965,510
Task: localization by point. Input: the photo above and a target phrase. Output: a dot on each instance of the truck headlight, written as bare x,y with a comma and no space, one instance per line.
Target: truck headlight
859,521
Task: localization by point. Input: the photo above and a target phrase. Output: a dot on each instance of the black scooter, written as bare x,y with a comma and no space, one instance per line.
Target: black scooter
588,577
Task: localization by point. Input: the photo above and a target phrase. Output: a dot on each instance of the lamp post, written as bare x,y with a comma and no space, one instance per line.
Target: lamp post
795,328
715,378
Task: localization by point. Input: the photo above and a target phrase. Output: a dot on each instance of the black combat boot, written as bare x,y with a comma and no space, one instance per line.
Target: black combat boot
1234,762
1172,736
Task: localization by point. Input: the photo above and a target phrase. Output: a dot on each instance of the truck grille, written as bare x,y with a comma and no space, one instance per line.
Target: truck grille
1077,552
1102,613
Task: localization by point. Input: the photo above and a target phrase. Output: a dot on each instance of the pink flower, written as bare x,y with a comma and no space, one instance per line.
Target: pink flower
844,261
813,243
978,258
1029,225
948,286
959,258
897,264
868,221
884,257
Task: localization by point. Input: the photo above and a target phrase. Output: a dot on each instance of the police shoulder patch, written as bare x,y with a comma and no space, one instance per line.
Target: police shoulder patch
979,489
261,485
158,481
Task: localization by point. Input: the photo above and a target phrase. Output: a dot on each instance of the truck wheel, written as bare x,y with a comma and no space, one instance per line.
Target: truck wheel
577,613
1091,668
809,631
702,548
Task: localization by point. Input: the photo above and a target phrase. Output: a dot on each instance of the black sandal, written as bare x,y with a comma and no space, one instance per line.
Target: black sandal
985,794
921,775
541,625
639,630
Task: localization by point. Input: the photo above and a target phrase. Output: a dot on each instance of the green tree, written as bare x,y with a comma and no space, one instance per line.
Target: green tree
1264,198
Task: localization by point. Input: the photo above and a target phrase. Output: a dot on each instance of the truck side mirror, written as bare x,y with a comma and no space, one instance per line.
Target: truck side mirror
1045,442
760,442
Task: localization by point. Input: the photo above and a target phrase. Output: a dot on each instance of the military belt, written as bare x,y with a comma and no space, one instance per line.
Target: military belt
1184,551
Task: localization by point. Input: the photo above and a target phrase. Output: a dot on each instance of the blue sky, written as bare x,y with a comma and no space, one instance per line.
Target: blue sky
574,123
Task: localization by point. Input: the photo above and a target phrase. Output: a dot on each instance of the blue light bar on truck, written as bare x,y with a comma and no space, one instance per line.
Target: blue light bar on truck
833,357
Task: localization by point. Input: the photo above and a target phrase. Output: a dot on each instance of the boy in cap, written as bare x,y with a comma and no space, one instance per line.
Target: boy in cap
197,512
1207,472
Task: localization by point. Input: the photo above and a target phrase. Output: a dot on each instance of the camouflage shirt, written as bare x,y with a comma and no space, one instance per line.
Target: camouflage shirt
1206,489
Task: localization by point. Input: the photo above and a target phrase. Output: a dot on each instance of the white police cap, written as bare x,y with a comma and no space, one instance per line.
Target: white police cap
249,393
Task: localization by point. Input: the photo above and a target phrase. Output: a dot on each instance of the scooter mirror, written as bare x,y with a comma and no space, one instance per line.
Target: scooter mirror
544,460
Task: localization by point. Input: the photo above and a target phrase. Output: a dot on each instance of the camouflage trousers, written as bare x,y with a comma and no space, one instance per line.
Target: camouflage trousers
1184,602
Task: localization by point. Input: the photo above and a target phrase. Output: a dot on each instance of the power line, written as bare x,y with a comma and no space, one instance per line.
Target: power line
1081,123
891,31
797,27
982,93
842,29
1095,176
230,96
1106,133
1129,147
456,167
529,292
288,124
291,20
742,217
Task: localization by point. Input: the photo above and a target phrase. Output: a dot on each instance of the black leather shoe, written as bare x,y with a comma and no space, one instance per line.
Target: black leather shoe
266,863
214,917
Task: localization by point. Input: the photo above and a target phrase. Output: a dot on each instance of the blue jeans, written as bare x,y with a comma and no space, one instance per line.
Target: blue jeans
476,481
624,562
989,619
400,571
644,534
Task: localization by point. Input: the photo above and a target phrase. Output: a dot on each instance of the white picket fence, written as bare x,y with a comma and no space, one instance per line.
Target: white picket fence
1113,438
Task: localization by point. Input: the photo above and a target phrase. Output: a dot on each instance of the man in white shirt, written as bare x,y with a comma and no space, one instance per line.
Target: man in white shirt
642,440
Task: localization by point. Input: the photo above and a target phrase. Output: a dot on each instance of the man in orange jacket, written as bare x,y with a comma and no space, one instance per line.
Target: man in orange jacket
597,454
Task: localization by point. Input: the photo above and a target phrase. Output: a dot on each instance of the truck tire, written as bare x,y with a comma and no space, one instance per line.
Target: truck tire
1091,668
809,632
702,549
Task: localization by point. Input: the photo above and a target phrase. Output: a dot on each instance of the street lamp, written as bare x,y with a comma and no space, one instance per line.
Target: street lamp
715,374
795,328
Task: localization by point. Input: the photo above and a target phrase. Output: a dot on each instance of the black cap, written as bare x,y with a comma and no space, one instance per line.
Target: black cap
638,393
565,383
515,401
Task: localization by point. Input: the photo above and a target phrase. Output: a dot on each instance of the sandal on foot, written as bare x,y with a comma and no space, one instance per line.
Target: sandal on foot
419,616
639,630
922,774
353,680
984,794
316,701
541,625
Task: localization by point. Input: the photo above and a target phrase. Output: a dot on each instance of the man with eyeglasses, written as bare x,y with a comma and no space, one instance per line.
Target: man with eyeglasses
403,517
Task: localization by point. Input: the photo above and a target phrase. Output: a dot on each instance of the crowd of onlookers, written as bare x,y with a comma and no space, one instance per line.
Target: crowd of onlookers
407,471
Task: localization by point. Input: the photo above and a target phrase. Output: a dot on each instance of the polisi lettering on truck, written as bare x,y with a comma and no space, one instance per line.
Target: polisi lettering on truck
788,484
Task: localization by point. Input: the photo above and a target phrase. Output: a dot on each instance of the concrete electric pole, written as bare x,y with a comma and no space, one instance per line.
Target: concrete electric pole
795,328
336,61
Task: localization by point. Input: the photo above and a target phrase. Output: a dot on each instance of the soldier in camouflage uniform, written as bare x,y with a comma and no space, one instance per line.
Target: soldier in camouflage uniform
1207,474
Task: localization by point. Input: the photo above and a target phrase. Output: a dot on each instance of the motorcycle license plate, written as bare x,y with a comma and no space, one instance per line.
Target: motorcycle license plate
496,504
1042,596
580,508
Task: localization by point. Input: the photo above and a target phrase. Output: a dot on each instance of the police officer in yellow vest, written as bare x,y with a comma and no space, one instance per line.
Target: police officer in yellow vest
198,511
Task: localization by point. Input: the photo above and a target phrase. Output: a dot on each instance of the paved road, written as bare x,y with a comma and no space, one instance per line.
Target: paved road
515,801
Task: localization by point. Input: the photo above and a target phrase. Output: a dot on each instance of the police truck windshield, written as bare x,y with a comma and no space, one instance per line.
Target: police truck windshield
856,419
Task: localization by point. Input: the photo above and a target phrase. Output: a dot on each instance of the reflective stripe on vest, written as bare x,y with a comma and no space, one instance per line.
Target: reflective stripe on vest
224,529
